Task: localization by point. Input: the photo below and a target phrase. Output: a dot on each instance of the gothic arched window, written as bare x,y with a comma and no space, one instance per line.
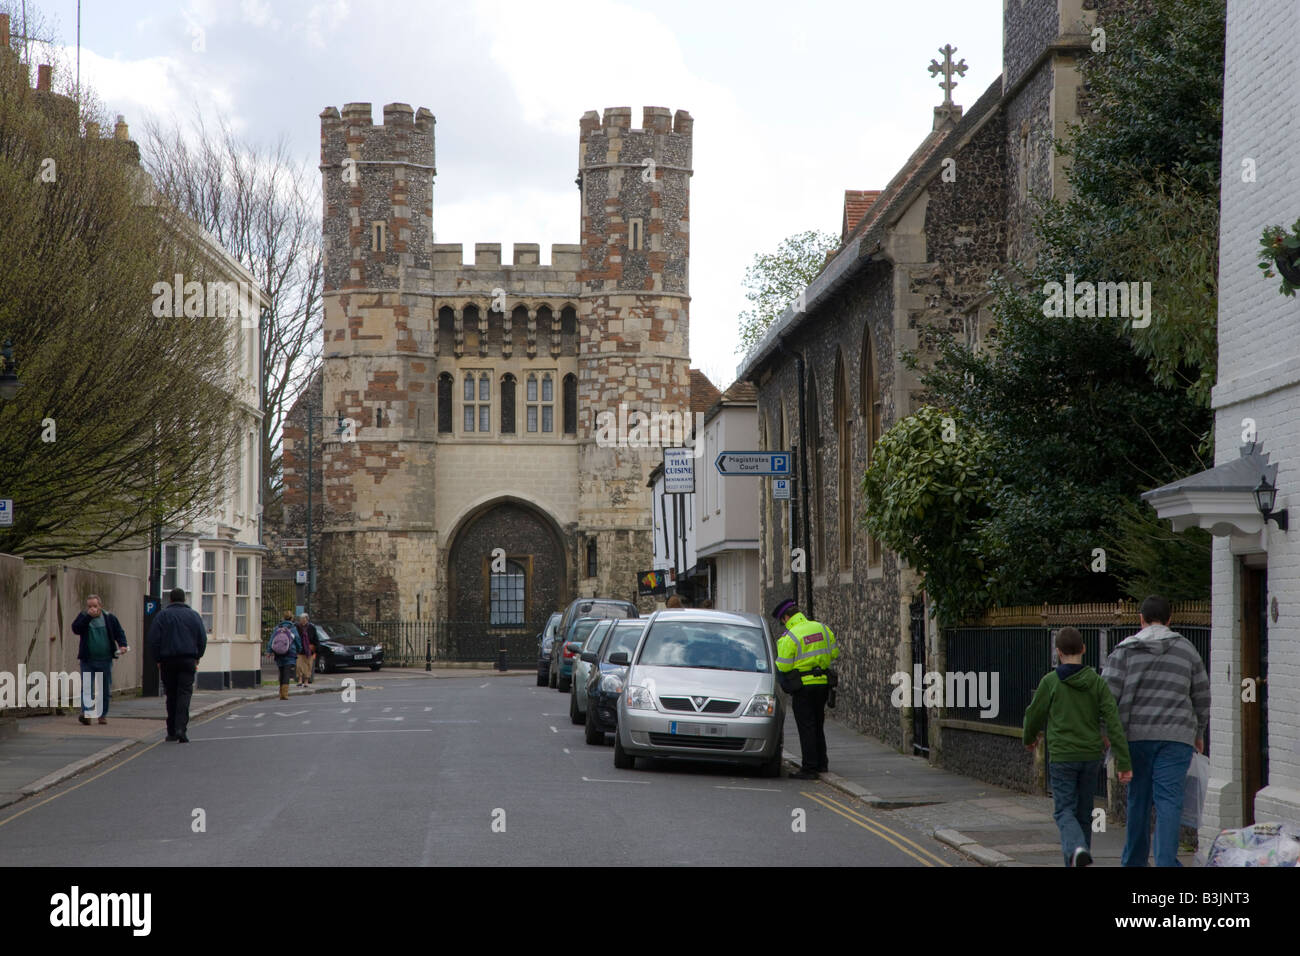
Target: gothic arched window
844,454
815,520
871,404
508,405
444,402
570,404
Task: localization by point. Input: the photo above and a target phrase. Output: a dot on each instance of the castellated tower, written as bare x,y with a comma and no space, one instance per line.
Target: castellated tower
377,183
470,487
635,297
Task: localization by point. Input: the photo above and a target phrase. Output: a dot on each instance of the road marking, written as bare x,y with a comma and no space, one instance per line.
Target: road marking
257,716
261,724
553,730
309,733
386,710
345,710
352,720
484,685
566,750
755,789
296,713
876,827
308,721
386,718
427,709
78,786
598,780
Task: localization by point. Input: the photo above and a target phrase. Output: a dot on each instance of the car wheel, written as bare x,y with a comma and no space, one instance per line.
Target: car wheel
772,766
322,664
541,677
595,737
574,716
622,759
562,684
375,667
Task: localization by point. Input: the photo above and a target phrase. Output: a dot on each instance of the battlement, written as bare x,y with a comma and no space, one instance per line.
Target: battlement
359,114
617,122
450,256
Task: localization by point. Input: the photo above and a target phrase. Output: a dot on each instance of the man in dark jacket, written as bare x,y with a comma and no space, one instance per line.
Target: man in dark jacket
178,639
100,633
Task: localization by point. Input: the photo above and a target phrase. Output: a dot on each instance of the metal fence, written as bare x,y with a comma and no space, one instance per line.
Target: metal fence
411,643
1021,655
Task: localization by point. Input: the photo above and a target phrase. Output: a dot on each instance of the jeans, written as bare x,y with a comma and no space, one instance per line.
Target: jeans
178,683
1074,785
1159,769
89,706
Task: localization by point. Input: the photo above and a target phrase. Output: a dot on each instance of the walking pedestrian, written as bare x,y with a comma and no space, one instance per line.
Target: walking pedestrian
285,644
310,640
178,639
102,640
1070,703
1158,680
804,655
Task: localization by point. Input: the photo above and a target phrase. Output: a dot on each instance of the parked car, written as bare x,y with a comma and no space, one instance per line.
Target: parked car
582,667
544,641
569,650
582,607
605,682
701,685
345,645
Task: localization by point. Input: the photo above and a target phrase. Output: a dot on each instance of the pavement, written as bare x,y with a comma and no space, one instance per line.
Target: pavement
37,753
989,824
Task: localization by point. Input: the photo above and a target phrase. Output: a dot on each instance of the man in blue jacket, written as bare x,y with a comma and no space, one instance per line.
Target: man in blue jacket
178,639
101,633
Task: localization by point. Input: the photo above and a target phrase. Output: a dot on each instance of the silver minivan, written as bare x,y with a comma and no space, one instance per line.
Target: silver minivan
701,685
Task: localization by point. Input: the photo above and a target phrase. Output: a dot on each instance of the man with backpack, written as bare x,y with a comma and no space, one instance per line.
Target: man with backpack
286,645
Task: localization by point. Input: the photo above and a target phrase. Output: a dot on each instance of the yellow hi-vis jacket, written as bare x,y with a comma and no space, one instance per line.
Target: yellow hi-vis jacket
804,645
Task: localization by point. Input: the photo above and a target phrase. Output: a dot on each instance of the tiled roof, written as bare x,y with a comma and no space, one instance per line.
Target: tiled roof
856,204
703,392
741,391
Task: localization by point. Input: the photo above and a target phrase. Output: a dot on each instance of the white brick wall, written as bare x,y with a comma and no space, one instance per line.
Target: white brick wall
1259,378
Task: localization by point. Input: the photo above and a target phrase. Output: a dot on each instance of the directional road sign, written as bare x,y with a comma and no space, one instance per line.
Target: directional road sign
747,463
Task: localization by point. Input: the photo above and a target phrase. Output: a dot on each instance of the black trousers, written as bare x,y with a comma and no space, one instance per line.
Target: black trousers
178,684
809,706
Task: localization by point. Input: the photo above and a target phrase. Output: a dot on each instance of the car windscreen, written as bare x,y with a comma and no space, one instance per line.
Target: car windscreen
343,633
615,609
705,644
623,639
582,628
597,635
551,625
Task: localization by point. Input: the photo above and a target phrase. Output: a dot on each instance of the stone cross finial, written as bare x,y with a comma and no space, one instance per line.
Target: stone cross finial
947,68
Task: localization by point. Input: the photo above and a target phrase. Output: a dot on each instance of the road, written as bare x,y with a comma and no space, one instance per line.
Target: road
417,771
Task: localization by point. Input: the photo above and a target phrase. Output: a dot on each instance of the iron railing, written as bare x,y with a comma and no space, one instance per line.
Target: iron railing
409,643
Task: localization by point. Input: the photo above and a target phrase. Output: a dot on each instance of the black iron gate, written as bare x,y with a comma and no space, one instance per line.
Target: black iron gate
920,716
410,643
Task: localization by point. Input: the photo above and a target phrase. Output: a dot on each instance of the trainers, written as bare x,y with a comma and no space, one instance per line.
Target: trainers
103,720
83,718
804,775
1081,857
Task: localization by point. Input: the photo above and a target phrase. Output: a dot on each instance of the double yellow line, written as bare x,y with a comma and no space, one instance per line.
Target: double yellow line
922,855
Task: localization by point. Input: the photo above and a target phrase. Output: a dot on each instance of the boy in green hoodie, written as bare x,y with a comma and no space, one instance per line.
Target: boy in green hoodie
1071,702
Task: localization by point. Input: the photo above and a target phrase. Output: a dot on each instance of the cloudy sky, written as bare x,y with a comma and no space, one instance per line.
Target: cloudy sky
794,102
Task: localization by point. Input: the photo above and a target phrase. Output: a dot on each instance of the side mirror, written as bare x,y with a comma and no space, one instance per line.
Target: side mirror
573,647
619,658
589,657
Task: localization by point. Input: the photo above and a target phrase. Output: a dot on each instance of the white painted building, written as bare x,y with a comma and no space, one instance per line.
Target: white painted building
1255,644
727,536
674,533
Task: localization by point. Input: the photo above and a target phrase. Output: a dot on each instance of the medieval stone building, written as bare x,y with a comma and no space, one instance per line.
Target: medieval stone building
462,474
915,262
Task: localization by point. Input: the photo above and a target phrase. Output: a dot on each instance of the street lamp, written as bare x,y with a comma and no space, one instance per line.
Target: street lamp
1265,497
9,383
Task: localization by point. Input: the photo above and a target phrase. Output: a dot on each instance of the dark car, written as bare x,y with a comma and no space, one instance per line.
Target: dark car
568,651
582,607
605,681
544,641
345,645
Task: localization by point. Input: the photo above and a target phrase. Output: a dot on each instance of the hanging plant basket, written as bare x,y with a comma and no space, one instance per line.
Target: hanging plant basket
1279,255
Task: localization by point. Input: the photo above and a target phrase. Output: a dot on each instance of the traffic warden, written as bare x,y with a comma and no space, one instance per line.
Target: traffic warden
804,655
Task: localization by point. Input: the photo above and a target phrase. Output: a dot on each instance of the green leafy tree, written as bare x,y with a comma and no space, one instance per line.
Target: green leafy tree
1076,427
1144,170
927,495
775,280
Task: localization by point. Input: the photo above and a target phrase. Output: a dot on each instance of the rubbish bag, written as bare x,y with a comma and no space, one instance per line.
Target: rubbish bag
1264,844
1195,787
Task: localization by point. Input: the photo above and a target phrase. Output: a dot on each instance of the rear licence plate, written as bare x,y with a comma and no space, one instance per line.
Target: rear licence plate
362,657
697,730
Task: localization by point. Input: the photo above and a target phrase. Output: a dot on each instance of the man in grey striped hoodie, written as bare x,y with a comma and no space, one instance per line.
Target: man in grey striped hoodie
1158,680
